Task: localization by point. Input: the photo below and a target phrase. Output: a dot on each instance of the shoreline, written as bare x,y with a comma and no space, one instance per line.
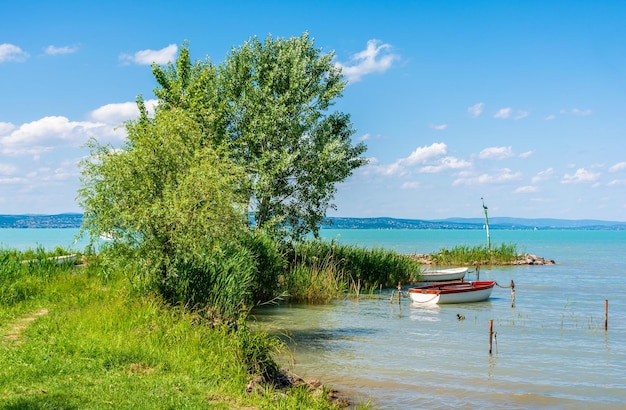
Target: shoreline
522,259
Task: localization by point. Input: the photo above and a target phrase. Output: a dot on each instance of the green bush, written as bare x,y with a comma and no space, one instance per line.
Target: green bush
271,263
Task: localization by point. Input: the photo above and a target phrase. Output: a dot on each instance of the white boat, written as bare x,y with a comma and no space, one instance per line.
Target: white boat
442,275
459,292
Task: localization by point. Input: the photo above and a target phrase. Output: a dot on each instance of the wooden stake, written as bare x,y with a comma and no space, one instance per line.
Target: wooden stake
606,315
512,293
399,292
490,335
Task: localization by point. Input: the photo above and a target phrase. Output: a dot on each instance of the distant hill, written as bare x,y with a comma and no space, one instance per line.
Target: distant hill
471,223
41,221
74,220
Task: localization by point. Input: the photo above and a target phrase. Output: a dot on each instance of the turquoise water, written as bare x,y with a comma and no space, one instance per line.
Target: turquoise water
49,239
550,350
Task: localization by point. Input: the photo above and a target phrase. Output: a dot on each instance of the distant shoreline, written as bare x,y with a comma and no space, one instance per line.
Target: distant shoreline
74,220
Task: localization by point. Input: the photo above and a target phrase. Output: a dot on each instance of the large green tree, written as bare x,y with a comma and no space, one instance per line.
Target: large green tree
176,201
269,104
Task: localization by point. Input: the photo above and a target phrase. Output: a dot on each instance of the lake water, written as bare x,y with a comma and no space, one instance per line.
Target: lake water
550,351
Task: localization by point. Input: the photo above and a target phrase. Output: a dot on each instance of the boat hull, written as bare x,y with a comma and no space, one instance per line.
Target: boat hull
463,292
442,275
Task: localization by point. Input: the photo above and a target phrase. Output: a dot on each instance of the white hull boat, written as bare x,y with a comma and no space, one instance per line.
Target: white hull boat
460,292
442,275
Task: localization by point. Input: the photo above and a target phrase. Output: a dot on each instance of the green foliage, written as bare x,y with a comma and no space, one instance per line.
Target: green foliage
219,282
102,347
269,104
256,350
322,268
466,255
271,263
169,199
318,279
23,275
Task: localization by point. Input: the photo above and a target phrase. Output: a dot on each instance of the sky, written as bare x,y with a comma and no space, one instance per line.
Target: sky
521,103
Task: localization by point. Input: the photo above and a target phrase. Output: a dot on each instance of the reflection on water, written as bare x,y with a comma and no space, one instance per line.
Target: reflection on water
550,350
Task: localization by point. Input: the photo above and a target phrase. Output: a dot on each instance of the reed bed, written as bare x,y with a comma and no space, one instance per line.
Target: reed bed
321,270
476,255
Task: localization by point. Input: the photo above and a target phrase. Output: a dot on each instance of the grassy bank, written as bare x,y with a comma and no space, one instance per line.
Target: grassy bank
504,254
72,337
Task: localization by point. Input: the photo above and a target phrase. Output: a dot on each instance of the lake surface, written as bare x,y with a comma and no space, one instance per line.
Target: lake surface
550,351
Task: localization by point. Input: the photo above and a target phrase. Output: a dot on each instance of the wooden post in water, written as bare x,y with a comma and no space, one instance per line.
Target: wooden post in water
399,292
490,335
606,315
512,293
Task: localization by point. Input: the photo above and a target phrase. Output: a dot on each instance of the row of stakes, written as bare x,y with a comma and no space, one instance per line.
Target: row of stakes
512,286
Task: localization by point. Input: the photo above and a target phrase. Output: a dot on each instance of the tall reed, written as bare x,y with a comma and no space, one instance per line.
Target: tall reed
467,255
342,265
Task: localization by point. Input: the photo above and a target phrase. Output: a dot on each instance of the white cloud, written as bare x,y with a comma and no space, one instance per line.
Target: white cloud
147,57
52,50
7,169
502,175
496,153
43,135
618,167
6,127
550,117
445,164
12,53
116,114
617,182
543,175
503,113
476,109
410,185
528,189
526,154
376,58
506,113
580,176
422,154
520,114
581,113
439,127
419,156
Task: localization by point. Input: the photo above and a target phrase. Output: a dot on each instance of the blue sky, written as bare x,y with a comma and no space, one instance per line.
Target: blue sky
520,103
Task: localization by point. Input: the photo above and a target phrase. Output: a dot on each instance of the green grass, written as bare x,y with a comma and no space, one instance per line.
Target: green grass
75,339
466,255
320,269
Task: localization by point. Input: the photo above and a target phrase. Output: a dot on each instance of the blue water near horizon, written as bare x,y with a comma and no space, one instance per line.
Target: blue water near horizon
550,352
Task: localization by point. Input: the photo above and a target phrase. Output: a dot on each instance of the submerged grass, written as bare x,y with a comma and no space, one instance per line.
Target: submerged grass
100,344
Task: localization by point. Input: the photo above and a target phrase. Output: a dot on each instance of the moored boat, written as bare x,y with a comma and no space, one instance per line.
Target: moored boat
459,292
442,275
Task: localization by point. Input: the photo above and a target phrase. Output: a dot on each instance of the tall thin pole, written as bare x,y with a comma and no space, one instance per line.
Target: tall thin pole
487,225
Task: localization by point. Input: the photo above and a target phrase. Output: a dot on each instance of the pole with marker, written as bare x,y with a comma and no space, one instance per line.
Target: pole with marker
486,225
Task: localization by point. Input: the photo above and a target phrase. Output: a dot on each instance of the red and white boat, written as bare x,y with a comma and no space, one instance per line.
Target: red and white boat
459,292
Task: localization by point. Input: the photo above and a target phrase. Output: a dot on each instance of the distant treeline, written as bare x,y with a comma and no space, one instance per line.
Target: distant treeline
41,221
74,220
